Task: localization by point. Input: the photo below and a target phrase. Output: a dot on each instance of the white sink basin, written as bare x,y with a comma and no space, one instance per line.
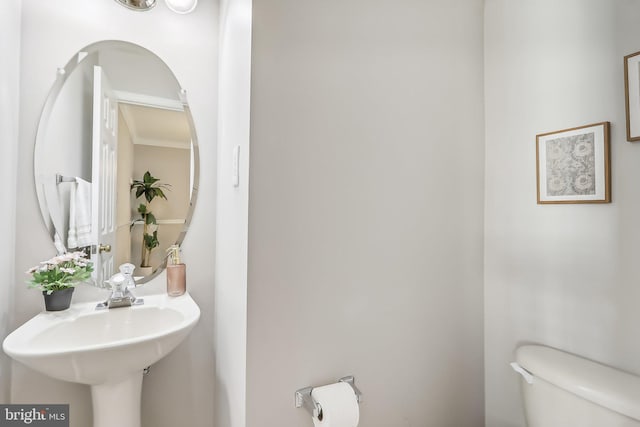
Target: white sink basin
107,349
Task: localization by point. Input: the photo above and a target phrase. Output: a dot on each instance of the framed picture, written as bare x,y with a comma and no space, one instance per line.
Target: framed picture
573,165
632,95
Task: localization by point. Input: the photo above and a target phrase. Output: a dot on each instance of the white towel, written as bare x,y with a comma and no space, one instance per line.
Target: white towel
57,242
80,215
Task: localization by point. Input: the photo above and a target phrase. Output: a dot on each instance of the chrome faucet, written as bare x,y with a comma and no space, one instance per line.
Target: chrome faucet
120,283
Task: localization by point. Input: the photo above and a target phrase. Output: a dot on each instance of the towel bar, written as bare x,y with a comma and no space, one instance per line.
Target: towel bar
62,178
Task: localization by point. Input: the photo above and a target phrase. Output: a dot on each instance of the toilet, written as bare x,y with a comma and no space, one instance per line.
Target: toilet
563,390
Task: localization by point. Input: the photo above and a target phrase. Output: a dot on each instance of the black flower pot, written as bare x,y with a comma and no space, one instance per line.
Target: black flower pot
58,300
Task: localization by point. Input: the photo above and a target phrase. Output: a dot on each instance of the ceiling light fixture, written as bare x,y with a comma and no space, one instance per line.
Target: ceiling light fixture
139,5
182,6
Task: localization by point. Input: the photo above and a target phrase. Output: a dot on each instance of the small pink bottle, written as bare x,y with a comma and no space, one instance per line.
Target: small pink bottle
176,273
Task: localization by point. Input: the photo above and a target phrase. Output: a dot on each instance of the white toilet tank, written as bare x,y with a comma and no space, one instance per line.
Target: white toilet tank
569,391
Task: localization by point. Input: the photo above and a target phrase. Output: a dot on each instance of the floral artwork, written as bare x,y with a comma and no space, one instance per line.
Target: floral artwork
571,165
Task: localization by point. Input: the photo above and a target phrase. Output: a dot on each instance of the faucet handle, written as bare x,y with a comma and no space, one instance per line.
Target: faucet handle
127,269
117,282
127,272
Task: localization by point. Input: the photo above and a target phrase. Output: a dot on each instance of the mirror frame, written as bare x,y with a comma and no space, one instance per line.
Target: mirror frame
43,123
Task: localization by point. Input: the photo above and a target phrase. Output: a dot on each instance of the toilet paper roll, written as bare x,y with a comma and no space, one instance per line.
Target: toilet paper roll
339,406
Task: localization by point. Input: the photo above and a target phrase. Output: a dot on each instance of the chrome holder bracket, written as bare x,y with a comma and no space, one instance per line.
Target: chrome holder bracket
352,382
306,401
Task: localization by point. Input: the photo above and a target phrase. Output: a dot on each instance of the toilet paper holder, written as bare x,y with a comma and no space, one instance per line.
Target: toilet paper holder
305,400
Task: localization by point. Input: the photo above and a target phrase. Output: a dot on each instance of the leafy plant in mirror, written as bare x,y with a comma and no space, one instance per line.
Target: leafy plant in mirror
60,272
149,187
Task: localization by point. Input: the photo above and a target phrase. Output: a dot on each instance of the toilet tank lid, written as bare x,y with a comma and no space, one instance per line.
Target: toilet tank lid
600,384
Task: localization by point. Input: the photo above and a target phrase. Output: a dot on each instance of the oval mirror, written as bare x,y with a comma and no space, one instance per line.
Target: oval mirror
116,159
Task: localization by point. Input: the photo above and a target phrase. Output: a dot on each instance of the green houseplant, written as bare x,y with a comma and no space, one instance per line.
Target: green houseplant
149,188
58,276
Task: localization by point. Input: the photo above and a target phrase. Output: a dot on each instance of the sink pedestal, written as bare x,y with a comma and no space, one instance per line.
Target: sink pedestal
118,403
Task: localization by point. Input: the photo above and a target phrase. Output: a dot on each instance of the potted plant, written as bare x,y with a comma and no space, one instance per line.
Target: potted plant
149,187
57,277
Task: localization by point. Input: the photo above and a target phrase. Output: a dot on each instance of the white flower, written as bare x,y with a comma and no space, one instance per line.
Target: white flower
68,270
583,182
583,148
554,151
556,183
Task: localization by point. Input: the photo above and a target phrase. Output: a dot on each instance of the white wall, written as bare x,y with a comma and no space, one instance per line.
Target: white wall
69,126
560,275
9,83
366,208
179,390
66,151
230,310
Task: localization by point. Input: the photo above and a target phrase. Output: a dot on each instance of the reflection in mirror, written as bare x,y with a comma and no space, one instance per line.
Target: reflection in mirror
116,112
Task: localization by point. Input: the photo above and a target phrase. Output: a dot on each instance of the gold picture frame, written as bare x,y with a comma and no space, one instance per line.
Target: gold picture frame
573,165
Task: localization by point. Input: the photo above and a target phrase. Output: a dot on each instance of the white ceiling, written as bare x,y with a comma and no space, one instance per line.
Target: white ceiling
156,126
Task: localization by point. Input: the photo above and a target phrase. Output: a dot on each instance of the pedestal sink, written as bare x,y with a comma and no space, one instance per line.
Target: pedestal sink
106,349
